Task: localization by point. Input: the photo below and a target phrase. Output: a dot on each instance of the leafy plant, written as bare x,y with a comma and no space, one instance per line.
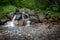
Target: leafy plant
54,7
48,12
5,9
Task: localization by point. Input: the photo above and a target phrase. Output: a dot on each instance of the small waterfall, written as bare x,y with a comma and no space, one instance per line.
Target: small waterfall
11,24
23,15
27,21
14,18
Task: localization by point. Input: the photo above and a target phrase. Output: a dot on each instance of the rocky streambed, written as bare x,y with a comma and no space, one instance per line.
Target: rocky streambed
42,28
35,32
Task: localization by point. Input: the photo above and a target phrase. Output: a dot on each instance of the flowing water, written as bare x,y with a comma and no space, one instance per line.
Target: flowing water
11,24
27,21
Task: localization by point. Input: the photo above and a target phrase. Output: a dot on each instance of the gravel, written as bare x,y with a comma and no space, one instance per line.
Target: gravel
41,32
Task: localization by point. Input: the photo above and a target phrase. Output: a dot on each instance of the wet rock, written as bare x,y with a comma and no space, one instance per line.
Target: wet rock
34,19
18,16
3,21
54,23
10,15
2,39
41,17
50,19
21,22
16,22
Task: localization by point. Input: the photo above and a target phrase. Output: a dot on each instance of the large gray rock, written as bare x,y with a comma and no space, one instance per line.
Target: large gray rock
18,16
3,21
34,19
11,15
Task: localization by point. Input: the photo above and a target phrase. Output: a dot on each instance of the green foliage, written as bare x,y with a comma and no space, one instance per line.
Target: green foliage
27,3
48,13
54,7
47,6
5,9
25,9
9,8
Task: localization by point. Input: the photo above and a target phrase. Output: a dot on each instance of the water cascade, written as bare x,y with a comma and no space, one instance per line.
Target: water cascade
11,24
27,21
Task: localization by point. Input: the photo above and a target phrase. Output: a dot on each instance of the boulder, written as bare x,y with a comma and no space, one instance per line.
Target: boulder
21,22
2,39
34,19
33,12
16,22
10,15
3,21
41,17
50,19
18,16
